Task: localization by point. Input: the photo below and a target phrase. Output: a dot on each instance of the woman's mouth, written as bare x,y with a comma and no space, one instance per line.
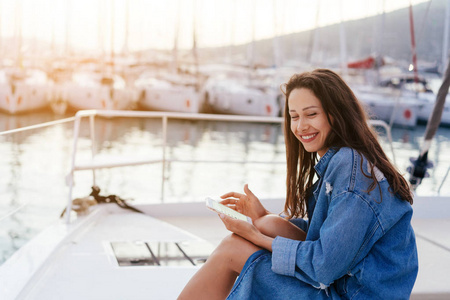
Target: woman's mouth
309,137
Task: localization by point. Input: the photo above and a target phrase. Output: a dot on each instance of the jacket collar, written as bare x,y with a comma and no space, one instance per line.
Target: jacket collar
322,164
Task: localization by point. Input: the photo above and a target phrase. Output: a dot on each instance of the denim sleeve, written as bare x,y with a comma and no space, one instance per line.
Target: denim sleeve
284,252
349,224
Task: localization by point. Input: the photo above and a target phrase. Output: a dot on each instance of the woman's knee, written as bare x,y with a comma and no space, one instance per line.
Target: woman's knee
232,245
233,252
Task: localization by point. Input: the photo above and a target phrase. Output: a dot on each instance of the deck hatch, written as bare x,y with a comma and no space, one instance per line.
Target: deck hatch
141,253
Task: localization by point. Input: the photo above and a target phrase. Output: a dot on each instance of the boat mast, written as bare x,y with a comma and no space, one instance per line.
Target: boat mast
251,45
275,41
127,25
232,33
419,167
112,33
175,41
52,44
195,46
445,40
413,43
101,29
343,43
18,33
68,19
378,45
1,35
312,55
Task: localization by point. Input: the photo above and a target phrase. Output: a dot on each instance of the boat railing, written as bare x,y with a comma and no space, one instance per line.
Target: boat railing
28,128
443,180
38,126
164,116
94,164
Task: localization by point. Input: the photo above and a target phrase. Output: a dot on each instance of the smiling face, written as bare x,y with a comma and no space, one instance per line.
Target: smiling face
309,122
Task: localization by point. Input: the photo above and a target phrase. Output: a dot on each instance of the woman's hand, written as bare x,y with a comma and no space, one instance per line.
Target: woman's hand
247,231
247,204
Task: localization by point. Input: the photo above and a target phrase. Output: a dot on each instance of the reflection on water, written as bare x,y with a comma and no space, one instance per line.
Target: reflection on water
34,164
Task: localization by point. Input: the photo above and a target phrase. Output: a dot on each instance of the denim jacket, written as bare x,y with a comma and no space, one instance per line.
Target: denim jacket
358,246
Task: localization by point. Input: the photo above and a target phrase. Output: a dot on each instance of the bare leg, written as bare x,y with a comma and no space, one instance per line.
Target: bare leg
216,277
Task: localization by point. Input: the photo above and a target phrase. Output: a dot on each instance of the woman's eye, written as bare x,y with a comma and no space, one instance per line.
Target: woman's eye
294,117
312,114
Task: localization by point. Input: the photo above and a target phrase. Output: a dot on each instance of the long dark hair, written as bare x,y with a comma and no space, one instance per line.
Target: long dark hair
349,129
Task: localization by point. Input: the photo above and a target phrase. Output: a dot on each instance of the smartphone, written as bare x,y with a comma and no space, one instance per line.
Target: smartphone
220,208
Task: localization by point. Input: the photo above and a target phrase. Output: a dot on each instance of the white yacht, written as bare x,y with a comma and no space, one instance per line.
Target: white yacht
177,94
389,105
402,100
23,90
98,90
230,96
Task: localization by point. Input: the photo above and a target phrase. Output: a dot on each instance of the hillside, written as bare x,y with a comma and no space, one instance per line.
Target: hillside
363,37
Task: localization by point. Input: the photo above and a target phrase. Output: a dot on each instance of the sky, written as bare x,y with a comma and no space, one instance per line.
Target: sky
140,24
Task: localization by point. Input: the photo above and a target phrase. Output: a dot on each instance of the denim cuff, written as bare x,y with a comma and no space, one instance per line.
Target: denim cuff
284,252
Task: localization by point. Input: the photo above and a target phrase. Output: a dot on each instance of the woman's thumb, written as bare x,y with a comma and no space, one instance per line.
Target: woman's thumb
247,190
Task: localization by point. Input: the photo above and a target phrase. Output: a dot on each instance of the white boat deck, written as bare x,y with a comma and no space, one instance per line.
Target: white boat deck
83,266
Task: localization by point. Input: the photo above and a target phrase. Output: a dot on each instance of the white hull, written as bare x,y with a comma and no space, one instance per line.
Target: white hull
174,99
58,98
231,98
392,108
98,98
162,95
426,108
28,93
87,92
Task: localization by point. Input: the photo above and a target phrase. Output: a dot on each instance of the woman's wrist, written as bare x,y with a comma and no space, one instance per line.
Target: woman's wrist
264,241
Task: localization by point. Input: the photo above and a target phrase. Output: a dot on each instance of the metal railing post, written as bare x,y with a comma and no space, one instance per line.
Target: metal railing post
164,133
443,180
387,128
76,131
93,149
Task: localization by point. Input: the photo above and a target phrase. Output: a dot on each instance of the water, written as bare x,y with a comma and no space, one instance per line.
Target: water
34,165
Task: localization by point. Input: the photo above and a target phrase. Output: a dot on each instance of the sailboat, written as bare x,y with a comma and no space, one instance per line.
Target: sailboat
22,89
228,96
392,99
95,84
389,104
227,93
172,91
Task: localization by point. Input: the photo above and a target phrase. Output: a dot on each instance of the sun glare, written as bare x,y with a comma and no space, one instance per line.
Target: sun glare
100,25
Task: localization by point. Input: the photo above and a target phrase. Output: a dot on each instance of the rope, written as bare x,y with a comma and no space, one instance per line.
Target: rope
111,199
81,205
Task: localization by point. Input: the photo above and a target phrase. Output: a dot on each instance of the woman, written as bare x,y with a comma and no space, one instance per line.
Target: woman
357,241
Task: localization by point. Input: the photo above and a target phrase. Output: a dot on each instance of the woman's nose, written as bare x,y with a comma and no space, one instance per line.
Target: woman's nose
301,125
